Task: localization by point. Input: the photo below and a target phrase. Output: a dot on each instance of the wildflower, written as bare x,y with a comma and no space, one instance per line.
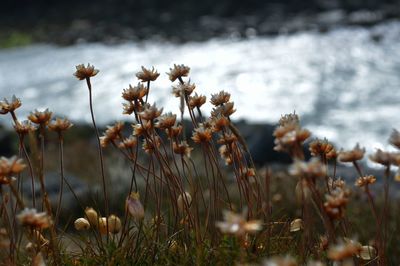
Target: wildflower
220,98
91,216
237,224
40,118
353,155
8,167
128,108
150,145
24,127
136,93
280,261
133,206
385,158
81,224
114,224
196,101
6,106
395,138
150,113
219,123
224,110
322,148
60,124
166,121
336,202
365,180
184,200
102,225
147,75
338,182
128,143
344,250
114,132
296,225
182,148
186,88
201,135
312,169
174,131
178,71
34,219
227,139
83,72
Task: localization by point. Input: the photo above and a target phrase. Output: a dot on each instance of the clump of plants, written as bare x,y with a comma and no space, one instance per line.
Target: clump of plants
212,208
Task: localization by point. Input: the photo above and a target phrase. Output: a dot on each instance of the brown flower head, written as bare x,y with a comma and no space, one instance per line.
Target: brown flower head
237,224
227,139
182,148
322,148
219,123
220,98
34,219
183,89
6,106
150,113
353,155
196,101
150,145
84,72
114,132
9,167
201,135
178,71
336,202
40,118
385,158
395,138
24,127
135,93
166,121
60,124
312,169
128,143
223,110
344,250
225,154
174,131
128,108
147,75
365,180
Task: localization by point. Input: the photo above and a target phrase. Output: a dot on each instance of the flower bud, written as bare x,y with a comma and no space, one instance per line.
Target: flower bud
184,199
114,224
91,215
81,224
103,225
134,206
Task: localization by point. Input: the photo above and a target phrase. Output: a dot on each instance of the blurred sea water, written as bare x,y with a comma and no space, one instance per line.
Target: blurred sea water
344,83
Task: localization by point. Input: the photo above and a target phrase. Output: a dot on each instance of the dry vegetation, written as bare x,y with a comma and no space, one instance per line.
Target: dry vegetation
194,200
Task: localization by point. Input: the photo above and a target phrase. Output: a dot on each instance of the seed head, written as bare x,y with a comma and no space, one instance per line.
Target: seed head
150,145
150,113
60,125
219,123
182,148
166,121
134,207
34,219
24,127
201,135
81,224
128,143
322,148
336,203
140,130
6,106
9,167
178,71
220,98
135,93
196,101
147,75
365,180
174,131
353,155
223,110
83,72
39,117
183,89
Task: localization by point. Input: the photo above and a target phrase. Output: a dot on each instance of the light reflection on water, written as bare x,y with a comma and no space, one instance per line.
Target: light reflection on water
344,83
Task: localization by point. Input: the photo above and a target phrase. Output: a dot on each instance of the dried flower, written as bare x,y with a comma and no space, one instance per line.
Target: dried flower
141,129
220,98
150,113
134,207
182,148
312,169
178,71
186,88
114,224
322,148
196,101
201,135
91,216
365,180
136,93
60,124
40,118
385,158
237,224
184,201
219,123
166,121
6,106
83,72
353,155
34,219
395,138
147,75
128,143
223,110
225,154
81,224
9,167
24,127
336,202
150,145
174,131
227,139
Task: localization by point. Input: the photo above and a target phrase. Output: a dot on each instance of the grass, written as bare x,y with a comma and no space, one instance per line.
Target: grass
194,195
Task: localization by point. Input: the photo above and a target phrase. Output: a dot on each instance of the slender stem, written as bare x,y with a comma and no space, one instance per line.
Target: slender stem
62,177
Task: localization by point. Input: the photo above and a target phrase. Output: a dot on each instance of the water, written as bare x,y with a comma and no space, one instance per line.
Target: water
343,83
